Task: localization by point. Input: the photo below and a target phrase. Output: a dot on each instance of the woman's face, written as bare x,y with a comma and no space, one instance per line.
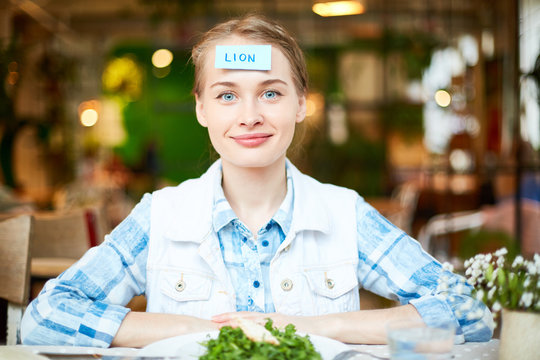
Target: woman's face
250,114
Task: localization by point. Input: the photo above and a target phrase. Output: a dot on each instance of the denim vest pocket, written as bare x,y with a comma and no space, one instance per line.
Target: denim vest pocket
332,282
334,289
184,292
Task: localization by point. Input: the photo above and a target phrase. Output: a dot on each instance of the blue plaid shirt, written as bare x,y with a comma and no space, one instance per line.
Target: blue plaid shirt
248,257
85,305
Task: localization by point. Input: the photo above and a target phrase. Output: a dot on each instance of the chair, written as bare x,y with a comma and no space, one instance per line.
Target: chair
406,195
59,239
500,217
15,234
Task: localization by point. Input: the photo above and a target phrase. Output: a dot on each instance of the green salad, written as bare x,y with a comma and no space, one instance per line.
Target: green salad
233,344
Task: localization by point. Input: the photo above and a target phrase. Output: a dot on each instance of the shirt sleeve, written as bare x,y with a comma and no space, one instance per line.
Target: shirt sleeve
85,305
394,265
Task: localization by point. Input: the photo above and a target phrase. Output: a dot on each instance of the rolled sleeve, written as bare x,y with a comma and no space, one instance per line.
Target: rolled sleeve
85,305
394,265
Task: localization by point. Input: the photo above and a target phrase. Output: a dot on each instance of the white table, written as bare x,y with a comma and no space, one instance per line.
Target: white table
469,351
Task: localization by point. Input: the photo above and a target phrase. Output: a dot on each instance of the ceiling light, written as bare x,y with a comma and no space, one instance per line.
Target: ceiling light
338,8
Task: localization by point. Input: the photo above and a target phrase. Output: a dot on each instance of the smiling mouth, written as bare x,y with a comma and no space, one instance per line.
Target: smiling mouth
251,140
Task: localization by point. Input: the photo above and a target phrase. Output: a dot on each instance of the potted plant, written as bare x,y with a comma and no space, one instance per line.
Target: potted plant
510,285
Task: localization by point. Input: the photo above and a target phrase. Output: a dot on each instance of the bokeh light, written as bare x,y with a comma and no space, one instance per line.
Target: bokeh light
162,58
443,98
89,113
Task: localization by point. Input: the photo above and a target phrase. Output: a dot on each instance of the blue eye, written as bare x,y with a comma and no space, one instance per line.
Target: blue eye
270,94
228,97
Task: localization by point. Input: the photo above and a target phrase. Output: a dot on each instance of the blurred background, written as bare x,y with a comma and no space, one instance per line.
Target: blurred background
428,108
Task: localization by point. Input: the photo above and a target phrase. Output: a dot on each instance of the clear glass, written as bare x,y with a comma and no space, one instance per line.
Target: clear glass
413,339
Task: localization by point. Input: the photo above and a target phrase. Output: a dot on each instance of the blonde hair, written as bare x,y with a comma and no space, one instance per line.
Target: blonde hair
253,27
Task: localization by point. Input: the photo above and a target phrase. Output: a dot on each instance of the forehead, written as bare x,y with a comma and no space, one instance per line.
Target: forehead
279,63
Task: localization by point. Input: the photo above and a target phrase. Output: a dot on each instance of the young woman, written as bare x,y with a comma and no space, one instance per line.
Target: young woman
252,237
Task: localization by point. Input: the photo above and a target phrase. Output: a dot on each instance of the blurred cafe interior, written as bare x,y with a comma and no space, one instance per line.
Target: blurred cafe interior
428,108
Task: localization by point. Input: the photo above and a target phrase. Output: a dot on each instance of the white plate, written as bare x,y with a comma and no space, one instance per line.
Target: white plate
189,346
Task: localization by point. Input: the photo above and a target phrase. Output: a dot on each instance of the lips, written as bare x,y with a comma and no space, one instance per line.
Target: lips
251,140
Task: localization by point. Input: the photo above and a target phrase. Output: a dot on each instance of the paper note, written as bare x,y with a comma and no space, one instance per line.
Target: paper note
244,57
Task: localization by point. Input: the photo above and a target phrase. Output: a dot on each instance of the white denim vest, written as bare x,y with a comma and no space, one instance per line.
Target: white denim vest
314,271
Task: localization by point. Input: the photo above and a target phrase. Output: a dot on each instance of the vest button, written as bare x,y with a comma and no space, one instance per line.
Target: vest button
286,285
180,286
330,283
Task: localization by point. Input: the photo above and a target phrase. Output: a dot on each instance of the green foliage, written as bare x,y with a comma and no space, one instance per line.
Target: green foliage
485,241
232,344
163,135
404,118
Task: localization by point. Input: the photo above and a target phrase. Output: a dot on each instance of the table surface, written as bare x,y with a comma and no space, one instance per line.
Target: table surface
469,351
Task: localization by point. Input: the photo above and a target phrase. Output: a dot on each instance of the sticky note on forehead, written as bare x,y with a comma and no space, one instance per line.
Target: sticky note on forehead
244,57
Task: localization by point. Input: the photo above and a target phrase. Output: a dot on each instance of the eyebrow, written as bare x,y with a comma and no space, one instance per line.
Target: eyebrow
232,84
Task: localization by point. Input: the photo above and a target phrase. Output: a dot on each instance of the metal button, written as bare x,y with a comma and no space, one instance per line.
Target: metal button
286,285
180,286
330,283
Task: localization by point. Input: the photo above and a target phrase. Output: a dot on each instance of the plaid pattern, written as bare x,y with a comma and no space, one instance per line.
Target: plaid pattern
83,306
247,257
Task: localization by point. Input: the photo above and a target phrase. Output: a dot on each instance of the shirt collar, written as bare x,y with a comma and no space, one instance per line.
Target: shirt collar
223,214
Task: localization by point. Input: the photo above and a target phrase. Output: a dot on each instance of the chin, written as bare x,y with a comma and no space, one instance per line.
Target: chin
255,161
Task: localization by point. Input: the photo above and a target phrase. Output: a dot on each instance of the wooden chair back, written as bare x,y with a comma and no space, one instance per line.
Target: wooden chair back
60,235
15,234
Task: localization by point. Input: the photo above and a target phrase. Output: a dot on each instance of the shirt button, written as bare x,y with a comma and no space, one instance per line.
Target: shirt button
256,284
250,301
265,243
286,285
330,283
287,248
180,286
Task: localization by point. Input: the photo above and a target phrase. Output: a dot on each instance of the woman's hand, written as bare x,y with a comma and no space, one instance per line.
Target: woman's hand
303,324
357,327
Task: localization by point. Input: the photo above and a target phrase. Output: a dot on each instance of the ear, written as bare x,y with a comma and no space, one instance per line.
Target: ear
301,113
199,111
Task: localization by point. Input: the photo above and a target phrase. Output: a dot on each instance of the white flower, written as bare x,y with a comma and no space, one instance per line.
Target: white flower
526,299
491,292
476,273
501,252
496,306
532,268
447,266
480,295
517,261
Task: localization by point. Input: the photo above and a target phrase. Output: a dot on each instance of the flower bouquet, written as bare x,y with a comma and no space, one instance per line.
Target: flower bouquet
502,282
511,286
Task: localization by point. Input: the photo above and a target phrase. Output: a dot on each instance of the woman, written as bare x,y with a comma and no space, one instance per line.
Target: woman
253,237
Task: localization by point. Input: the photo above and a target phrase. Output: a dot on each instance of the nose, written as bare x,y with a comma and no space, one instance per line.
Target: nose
251,114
